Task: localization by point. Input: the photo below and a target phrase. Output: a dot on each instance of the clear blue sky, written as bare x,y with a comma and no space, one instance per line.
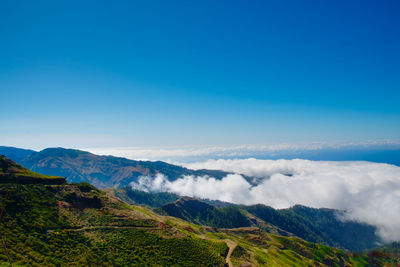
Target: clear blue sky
154,73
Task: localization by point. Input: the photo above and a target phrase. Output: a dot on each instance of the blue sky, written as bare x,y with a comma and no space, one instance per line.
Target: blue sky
175,73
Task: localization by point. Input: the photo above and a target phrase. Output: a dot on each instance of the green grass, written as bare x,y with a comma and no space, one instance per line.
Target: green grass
9,167
239,256
141,248
35,175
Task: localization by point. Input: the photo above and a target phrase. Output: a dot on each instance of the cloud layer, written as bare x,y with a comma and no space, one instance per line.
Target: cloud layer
315,150
368,192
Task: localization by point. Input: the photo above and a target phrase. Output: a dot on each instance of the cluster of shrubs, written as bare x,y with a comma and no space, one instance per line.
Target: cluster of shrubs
35,235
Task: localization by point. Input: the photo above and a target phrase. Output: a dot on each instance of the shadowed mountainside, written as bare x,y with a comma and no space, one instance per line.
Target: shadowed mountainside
15,154
103,171
156,199
193,210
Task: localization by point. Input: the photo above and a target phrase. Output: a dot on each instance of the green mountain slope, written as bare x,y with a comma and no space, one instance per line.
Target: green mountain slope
155,199
11,172
314,225
198,212
77,224
319,225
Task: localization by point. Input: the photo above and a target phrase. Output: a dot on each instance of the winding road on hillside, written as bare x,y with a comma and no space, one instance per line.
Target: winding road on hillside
231,245
96,227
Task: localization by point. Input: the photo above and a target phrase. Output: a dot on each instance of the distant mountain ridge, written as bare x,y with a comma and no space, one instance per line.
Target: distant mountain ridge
101,171
15,154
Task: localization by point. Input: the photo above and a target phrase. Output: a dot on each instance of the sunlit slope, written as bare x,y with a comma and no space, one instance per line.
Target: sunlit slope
11,172
50,225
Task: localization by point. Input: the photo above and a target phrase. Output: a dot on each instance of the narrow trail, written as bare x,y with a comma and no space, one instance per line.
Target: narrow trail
104,227
231,245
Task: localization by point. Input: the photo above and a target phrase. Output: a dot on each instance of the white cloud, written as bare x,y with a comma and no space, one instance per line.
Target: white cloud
368,192
200,153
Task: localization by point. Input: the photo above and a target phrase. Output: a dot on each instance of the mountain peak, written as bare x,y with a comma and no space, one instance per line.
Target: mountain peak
60,151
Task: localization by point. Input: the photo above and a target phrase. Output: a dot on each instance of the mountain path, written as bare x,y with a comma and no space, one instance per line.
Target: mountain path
104,227
231,245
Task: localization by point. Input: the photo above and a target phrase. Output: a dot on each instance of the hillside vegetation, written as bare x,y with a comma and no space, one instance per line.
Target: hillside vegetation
70,225
198,212
319,225
78,225
314,225
11,172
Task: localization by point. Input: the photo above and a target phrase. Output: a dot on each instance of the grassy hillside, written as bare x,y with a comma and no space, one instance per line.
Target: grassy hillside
388,255
318,225
73,225
11,172
314,225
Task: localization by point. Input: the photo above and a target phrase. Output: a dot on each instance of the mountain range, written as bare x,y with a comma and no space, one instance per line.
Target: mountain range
100,171
75,166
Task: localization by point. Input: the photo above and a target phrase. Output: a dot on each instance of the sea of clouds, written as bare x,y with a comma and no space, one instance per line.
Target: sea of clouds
316,151
367,192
